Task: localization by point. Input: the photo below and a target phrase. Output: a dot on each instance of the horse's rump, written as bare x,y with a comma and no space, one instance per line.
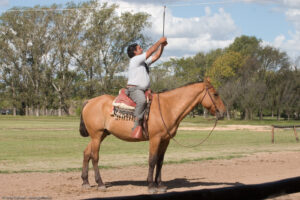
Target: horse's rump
82,129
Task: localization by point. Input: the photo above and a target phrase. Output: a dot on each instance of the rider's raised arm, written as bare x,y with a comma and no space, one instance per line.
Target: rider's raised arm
157,55
152,49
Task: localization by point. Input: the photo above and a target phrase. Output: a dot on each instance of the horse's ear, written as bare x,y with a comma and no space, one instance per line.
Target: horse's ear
207,80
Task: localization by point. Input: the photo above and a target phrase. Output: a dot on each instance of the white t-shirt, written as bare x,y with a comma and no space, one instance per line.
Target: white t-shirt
137,73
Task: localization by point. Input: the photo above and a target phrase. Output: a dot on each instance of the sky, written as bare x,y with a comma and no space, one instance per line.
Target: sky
193,26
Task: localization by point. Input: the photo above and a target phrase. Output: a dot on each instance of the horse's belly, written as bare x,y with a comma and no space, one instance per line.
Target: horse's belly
121,129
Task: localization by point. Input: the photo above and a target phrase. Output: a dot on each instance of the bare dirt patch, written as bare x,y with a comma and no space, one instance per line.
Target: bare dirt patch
254,169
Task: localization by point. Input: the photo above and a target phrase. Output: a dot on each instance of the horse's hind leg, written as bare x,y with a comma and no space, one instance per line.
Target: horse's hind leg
95,144
85,166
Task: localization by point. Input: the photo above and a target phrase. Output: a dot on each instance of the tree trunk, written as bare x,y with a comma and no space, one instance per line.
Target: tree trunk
228,113
60,107
260,114
246,114
26,110
43,111
234,114
205,113
278,114
14,111
31,111
37,110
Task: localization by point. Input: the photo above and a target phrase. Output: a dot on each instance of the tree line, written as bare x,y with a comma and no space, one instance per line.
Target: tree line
51,59
50,56
253,79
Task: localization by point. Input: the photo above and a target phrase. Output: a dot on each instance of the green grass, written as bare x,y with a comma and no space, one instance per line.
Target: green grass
52,144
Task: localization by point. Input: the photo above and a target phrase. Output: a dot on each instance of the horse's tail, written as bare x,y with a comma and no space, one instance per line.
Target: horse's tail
82,128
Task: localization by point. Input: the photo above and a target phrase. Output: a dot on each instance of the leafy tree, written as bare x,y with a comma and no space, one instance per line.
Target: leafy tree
26,43
161,79
101,56
230,96
10,57
225,68
66,27
245,45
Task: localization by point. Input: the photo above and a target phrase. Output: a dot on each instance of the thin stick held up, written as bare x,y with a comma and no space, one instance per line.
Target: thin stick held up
164,21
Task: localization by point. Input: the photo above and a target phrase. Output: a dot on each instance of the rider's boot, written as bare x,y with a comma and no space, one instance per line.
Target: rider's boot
137,130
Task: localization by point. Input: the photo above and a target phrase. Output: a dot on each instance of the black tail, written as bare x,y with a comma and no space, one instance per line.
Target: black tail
82,128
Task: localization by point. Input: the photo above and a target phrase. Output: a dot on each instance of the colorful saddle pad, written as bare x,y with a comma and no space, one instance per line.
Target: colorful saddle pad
124,106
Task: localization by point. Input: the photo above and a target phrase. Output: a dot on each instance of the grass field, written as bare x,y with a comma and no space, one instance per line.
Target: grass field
47,144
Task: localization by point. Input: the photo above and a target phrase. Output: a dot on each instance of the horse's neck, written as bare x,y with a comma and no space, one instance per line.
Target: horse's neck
181,101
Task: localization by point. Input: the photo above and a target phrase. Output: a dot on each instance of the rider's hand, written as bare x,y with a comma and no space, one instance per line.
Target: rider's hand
163,39
164,43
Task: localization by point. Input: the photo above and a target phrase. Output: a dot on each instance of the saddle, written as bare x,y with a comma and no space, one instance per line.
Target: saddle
123,108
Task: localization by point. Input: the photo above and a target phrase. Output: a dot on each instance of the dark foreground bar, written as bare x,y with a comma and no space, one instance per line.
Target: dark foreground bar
244,192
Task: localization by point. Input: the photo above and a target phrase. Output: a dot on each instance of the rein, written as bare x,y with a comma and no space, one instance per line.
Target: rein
202,141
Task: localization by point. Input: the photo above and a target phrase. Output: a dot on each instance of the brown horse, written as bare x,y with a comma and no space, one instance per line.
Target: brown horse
173,106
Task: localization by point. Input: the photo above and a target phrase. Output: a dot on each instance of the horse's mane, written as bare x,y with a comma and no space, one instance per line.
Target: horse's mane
185,85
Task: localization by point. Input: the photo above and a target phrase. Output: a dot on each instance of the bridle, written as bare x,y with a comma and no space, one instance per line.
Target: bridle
212,100
202,141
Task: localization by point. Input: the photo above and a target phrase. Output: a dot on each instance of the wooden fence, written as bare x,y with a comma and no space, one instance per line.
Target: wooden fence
279,126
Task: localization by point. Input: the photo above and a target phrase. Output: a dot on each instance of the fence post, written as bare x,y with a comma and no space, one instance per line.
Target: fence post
272,134
296,135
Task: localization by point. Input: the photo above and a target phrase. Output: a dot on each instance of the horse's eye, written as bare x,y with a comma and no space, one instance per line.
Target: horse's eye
216,94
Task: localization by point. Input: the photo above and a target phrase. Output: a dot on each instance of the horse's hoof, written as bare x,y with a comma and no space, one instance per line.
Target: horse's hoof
162,188
86,186
152,190
102,188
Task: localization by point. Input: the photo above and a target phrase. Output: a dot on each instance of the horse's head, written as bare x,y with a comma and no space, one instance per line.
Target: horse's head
212,101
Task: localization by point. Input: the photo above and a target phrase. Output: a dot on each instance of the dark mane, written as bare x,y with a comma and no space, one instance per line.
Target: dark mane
187,84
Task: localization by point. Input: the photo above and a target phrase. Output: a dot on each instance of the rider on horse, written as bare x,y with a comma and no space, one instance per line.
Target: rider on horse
139,80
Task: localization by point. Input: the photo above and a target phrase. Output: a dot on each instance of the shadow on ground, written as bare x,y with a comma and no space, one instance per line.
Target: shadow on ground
173,184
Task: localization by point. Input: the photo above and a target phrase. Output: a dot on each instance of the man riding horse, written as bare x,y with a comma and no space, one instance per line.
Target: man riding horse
167,110
138,78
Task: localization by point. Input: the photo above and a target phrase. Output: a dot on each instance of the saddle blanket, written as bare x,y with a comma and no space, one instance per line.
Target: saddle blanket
124,106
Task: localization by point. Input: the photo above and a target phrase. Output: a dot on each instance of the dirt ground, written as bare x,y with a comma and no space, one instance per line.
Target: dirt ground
254,169
228,128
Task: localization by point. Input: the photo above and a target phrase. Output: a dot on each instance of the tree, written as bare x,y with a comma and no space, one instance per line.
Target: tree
245,45
277,79
225,68
101,56
65,30
10,57
229,94
160,78
185,70
26,40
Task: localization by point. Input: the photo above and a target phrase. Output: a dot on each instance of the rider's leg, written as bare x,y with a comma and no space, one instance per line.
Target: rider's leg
138,96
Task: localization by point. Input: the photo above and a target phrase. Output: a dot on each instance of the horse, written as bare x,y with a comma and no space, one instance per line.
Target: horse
167,110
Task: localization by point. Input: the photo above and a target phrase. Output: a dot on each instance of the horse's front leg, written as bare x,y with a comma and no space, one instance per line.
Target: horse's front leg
153,157
161,153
